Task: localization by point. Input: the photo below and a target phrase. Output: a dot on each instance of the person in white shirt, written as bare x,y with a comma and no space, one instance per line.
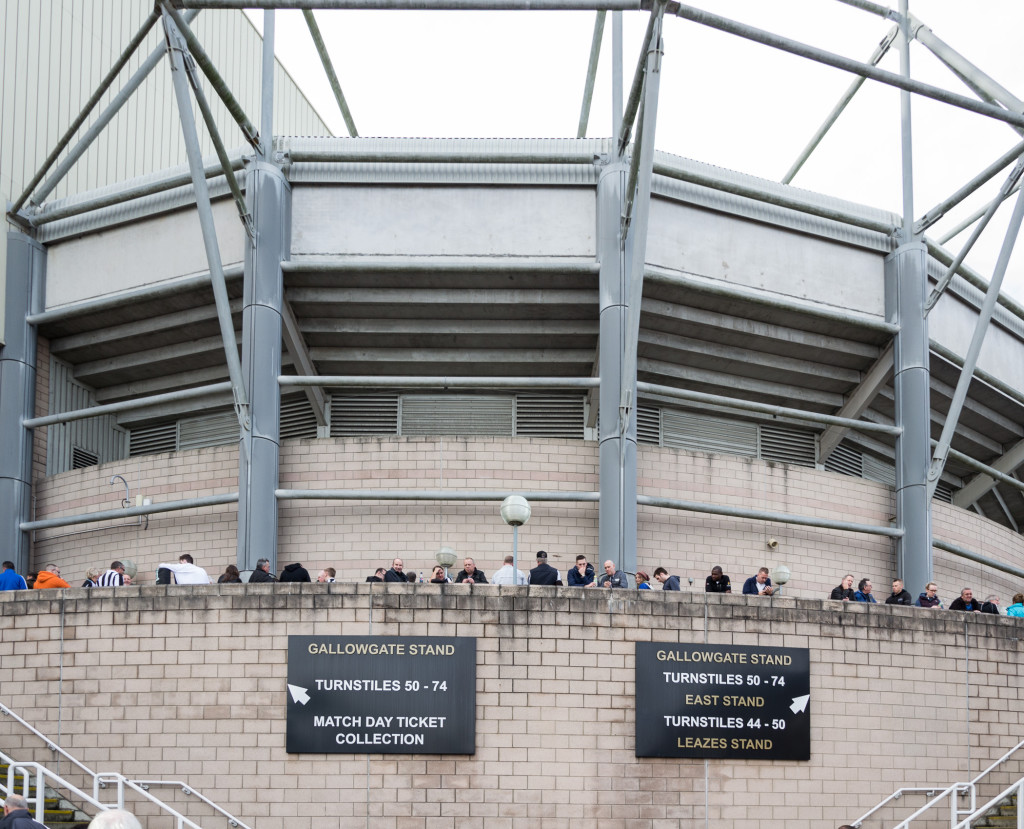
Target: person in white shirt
504,575
186,572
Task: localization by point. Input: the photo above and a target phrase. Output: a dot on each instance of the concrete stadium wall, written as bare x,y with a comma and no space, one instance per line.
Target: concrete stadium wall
356,537
188,684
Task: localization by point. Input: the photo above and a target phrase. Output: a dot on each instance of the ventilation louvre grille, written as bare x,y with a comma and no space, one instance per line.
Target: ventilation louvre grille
212,430
685,430
152,440
443,414
786,445
648,425
297,418
943,493
876,470
550,416
81,458
353,415
846,461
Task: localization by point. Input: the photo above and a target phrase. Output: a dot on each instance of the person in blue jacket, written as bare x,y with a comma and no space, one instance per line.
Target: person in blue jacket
863,593
582,575
10,580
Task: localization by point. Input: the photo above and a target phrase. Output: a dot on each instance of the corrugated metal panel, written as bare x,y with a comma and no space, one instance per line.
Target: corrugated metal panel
55,53
787,444
445,172
845,460
364,414
685,430
152,440
550,415
212,430
454,414
297,418
99,436
648,425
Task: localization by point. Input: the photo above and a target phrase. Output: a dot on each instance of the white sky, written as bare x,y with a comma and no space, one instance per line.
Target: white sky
725,101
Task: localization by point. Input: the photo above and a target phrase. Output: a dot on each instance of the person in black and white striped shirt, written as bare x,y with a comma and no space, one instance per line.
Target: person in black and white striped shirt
114,577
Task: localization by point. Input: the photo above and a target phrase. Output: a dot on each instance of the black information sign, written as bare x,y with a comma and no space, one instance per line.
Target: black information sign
722,701
381,695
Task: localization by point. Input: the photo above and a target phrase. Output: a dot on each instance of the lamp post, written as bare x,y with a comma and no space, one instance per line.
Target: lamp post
515,511
780,575
445,557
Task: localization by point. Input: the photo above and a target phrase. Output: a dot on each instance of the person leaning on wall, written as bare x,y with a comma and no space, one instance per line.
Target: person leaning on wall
49,579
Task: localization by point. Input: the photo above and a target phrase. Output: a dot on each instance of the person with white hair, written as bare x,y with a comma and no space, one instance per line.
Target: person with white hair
16,815
115,819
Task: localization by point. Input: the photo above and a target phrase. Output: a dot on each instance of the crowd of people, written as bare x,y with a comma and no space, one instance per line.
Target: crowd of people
929,597
582,574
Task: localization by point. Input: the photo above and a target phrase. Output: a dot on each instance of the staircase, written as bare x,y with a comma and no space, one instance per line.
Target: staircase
58,813
1002,816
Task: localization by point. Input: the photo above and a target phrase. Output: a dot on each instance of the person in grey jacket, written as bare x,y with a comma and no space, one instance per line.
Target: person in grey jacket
612,577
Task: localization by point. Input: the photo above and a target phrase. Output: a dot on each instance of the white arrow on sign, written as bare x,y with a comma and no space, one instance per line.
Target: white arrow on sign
298,694
799,703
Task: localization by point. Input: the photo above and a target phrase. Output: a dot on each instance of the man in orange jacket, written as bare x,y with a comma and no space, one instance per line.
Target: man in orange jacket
48,578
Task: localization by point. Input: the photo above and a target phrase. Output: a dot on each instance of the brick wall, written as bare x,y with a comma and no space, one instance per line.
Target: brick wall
188,683
356,537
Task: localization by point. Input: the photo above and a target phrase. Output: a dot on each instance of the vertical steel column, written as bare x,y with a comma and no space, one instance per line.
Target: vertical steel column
269,200
617,528
267,100
906,283
26,267
616,72
906,280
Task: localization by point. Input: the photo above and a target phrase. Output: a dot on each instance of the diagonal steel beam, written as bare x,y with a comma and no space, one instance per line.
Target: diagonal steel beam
588,88
105,117
218,145
638,228
1012,181
990,172
880,52
637,88
1005,509
178,52
971,359
195,48
804,50
982,483
304,366
332,77
961,226
94,99
971,74
857,403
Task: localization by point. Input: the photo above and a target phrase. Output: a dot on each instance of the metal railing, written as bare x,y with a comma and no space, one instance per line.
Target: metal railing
1013,790
952,793
23,776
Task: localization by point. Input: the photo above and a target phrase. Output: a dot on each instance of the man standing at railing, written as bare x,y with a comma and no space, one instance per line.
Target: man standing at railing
16,814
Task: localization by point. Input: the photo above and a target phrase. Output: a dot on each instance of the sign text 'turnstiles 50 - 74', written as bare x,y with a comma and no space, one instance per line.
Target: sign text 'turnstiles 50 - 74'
381,695
722,701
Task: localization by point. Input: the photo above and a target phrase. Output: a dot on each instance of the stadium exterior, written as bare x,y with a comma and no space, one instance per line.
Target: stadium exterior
398,334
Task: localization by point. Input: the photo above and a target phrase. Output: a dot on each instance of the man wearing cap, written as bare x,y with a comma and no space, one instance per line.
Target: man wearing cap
544,573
